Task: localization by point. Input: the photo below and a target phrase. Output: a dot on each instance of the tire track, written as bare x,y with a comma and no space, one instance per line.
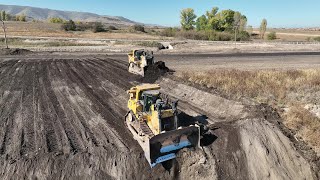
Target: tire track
52,126
10,107
28,134
75,103
97,96
68,129
64,91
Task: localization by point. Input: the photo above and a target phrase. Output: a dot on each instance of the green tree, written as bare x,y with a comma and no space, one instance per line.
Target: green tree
212,13
263,28
213,24
69,26
187,19
201,23
7,17
213,20
22,18
226,20
3,15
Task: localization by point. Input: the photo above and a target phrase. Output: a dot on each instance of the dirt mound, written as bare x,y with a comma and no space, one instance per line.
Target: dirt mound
153,72
15,51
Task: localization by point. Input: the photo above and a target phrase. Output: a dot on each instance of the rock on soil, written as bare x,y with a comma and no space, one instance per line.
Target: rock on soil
15,51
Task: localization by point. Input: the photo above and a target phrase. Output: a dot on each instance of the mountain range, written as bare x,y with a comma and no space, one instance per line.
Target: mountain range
44,14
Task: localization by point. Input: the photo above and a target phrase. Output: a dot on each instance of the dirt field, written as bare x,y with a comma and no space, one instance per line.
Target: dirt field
44,29
61,117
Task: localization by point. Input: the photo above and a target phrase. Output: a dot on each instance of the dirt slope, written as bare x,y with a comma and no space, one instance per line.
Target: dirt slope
246,145
62,118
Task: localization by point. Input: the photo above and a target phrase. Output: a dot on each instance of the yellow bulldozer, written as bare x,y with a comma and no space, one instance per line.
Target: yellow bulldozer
139,60
154,124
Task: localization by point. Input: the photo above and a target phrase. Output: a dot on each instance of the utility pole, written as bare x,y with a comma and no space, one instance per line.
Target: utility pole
5,33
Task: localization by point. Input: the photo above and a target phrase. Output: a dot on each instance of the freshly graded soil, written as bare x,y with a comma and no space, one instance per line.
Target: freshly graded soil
62,117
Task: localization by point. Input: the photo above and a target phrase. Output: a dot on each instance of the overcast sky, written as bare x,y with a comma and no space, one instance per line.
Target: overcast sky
279,13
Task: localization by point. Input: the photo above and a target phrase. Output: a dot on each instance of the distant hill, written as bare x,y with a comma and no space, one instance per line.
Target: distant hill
44,14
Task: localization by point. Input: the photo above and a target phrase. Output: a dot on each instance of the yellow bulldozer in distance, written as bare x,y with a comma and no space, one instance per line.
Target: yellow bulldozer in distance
139,60
155,125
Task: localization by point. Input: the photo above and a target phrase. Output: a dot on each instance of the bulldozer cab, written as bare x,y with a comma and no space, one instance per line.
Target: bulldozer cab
138,54
149,98
141,55
164,115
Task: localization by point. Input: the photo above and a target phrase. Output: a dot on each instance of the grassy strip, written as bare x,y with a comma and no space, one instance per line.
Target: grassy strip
276,88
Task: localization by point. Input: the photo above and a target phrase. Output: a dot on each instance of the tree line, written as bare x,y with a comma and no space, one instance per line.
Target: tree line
8,17
224,22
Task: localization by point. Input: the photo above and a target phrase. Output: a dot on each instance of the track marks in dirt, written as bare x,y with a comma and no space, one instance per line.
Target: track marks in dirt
63,118
60,105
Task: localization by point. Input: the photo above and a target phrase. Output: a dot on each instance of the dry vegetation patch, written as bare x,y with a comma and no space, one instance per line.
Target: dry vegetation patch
256,84
272,87
44,29
306,124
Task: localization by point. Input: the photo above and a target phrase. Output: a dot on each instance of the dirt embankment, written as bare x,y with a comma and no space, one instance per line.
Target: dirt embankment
62,118
15,51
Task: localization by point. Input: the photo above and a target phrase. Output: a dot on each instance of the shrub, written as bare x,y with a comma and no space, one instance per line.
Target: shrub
317,39
221,36
21,18
139,28
97,27
83,26
243,36
272,36
112,28
56,20
69,26
169,32
210,35
201,35
206,35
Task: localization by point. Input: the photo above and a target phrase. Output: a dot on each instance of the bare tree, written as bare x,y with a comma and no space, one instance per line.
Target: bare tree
236,24
263,28
5,33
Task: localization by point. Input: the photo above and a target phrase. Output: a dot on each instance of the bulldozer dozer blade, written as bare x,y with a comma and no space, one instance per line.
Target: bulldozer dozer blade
163,147
135,69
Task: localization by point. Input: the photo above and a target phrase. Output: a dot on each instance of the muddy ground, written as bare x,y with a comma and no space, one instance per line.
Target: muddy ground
61,117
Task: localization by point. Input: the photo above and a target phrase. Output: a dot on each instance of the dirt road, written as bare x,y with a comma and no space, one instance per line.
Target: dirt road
242,61
61,117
